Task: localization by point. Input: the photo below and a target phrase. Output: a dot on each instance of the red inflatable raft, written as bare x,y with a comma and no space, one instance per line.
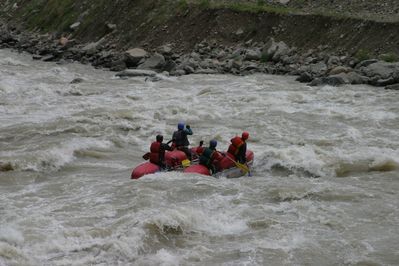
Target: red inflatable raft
173,160
226,167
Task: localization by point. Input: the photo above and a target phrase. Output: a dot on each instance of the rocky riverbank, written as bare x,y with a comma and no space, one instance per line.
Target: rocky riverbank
192,43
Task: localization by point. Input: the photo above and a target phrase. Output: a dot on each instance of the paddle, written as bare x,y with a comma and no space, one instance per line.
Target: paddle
242,166
146,156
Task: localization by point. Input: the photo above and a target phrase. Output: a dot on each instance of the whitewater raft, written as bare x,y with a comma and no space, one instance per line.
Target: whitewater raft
177,161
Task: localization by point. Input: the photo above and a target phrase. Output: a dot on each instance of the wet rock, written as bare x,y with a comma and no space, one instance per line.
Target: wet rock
205,71
37,57
392,87
77,80
5,167
305,77
136,73
366,63
48,58
335,80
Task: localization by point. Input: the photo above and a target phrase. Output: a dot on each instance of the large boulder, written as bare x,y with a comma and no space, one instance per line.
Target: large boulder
134,56
392,87
253,54
156,61
334,80
275,50
381,69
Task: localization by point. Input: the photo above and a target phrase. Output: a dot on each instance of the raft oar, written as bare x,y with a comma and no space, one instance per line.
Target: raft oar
146,156
242,166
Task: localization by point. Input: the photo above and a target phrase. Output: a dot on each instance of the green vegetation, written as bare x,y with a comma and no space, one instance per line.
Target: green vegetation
389,57
362,54
182,4
258,7
265,57
205,4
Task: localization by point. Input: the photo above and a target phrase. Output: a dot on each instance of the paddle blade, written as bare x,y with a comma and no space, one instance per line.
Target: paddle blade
243,167
186,163
146,156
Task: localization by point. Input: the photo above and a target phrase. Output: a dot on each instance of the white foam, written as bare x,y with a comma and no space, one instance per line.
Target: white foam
11,235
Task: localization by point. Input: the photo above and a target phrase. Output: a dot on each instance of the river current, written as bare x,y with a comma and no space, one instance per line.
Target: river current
324,188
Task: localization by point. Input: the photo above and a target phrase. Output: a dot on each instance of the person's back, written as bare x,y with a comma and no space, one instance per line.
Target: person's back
157,151
180,140
209,156
238,147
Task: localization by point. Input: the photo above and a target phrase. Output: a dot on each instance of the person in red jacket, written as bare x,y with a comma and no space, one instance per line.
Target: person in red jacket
238,147
210,156
157,151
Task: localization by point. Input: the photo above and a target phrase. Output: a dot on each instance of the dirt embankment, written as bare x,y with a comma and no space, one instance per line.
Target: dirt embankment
150,23
182,38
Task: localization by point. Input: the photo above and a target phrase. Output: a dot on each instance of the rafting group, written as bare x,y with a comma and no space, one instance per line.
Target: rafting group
162,157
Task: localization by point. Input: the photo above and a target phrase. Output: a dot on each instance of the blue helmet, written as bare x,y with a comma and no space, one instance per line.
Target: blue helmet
213,143
180,125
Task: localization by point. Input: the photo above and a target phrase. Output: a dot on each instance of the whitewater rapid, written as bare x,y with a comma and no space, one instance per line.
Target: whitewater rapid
323,190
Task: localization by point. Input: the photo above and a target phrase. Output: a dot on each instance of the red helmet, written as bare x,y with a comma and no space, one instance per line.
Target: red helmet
245,135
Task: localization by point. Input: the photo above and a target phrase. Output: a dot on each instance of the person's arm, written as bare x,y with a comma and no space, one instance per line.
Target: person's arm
188,130
166,147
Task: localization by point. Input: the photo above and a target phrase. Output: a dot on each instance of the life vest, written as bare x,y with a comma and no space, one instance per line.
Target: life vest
206,157
155,151
235,145
180,138
199,150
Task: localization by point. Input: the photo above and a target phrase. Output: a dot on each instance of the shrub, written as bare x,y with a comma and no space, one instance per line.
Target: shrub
205,3
362,54
182,4
389,57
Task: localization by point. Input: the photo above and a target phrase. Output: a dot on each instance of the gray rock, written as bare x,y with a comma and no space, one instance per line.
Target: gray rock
48,58
385,82
253,54
334,80
381,69
111,26
392,87
136,73
305,77
355,78
333,60
318,69
93,47
75,25
340,69
178,72
366,63
157,61
239,32
37,57
205,71
134,56
165,49
77,80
